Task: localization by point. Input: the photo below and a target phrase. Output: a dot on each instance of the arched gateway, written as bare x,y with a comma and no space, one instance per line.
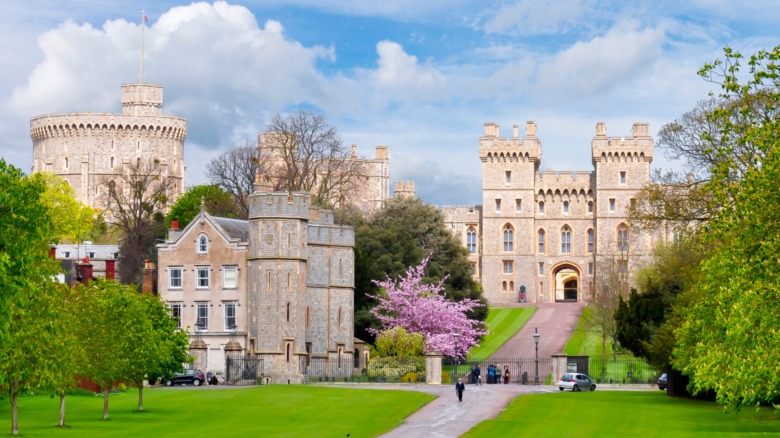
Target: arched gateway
567,283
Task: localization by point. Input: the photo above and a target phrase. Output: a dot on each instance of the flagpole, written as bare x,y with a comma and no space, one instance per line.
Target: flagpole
143,19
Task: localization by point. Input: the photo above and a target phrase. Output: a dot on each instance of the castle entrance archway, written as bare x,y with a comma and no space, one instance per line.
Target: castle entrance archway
567,284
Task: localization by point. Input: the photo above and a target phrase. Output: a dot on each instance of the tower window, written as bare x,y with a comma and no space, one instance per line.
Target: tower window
498,206
541,207
591,242
612,204
541,268
622,177
541,242
566,240
508,266
518,205
623,238
508,239
565,207
508,176
590,207
471,240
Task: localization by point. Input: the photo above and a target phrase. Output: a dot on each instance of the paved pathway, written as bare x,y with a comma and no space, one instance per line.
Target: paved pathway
446,417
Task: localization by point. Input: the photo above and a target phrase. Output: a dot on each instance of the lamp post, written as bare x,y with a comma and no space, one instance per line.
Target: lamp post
536,342
456,337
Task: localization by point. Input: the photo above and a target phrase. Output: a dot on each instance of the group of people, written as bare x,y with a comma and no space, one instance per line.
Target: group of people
494,375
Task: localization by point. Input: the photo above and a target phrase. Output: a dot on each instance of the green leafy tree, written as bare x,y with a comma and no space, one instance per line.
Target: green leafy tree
729,331
112,322
29,357
71,221
399,343
217,202
158,346
400,235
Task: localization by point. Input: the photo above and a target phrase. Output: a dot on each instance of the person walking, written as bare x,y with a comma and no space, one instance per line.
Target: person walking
477,375
491,374
459,388
506,374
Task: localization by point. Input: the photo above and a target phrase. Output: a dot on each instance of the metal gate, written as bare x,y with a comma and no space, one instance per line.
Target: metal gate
243,370
524,371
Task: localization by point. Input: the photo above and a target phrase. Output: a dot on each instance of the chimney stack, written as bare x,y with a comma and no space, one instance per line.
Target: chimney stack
149,278
85,271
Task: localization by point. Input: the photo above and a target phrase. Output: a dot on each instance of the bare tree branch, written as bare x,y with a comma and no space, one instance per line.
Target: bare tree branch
235,171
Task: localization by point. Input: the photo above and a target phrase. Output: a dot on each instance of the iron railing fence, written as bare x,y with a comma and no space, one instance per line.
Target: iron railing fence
379,370
243,370
521,370
622,370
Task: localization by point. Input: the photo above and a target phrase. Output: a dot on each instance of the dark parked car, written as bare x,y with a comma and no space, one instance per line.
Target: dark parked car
194,377
662,382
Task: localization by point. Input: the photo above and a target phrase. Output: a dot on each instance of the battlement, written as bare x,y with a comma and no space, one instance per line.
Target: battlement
403,189
638,147
279,205
494,147
90,123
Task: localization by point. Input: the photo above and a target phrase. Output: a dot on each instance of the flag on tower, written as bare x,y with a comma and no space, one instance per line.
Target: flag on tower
146,18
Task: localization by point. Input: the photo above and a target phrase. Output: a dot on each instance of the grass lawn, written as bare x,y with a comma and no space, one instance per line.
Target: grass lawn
582,343
621,414
268,411
502,324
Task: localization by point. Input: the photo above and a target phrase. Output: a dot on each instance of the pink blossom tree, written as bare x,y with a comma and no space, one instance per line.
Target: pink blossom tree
423,308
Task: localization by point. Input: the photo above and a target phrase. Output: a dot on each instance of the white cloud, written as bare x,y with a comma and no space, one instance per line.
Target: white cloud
219,68
623,54
533,17
399,77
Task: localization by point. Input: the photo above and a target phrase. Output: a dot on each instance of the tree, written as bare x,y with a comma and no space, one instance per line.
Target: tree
218,202
235,172
71,221
159,347
729,331
422,308
30,352
612,283
112,323
303,152
136,203
397,342
399,236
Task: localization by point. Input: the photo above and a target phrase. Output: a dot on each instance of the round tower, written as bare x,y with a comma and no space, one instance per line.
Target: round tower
87,149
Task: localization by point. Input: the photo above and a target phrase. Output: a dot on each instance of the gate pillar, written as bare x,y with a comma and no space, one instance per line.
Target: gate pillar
560,366
433,368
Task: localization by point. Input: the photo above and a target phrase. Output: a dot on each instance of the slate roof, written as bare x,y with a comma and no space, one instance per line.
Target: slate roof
235,228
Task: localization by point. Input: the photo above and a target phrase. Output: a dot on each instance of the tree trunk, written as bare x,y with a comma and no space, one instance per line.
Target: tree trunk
62,409
14,418
106,392
141,395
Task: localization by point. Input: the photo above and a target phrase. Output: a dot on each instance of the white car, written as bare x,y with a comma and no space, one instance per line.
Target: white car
576,382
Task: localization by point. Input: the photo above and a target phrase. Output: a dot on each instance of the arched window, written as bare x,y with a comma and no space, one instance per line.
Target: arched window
308,316
565,207
288,312
508,238
288,352
471,240
591,242
341,318
676,234
503,287
623,238
203,244
566,240
66,162
511,286
590,206
138,162
112,162
541,241
541,207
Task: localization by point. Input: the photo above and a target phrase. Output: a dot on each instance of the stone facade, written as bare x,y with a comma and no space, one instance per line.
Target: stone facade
293,291
203,276
87,149
542,236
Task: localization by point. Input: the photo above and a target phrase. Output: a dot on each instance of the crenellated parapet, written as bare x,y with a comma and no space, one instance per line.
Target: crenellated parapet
637,148
107,124
494,148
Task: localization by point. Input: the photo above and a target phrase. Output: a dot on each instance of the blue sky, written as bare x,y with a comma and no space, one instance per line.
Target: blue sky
420,77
